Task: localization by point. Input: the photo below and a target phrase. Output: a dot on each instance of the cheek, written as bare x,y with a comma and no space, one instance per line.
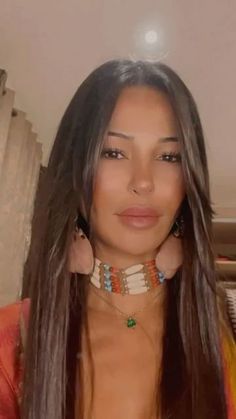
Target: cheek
110,183
109,192
170,188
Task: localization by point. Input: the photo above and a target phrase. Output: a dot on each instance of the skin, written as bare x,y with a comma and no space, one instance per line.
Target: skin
130,375
146,114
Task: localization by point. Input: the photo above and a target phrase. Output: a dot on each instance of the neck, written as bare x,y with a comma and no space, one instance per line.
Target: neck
136,279
128,303
119,259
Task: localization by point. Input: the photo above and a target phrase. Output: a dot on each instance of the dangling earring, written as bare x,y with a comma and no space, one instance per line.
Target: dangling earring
170,256
178,227
81,259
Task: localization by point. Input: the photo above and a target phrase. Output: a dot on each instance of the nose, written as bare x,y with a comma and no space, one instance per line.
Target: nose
141,181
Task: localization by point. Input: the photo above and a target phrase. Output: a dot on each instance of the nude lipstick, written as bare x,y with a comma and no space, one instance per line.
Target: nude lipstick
139,217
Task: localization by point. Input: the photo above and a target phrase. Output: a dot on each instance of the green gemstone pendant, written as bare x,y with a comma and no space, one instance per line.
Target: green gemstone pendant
131,322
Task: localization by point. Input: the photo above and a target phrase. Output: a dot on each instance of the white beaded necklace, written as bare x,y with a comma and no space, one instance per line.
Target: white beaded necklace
135,279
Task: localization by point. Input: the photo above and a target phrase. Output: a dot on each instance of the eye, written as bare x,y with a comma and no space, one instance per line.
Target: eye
171,157
112,153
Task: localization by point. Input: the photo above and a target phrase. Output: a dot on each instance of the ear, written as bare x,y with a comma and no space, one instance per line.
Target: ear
170,256
80,257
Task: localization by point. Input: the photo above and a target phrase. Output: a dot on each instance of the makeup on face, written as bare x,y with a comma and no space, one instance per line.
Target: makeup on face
115,148
139,217
139,183
125,136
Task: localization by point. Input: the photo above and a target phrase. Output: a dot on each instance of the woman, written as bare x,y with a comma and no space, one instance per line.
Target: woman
126,317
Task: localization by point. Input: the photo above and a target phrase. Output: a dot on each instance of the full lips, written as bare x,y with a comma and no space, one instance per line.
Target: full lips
140,221
139,211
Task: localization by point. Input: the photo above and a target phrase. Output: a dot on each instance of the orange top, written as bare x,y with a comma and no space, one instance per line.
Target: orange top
11,341
10,358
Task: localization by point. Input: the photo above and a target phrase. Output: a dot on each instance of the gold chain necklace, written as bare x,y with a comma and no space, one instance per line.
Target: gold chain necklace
130,319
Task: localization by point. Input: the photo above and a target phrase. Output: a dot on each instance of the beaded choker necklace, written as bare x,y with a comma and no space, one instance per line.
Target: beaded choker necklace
133,280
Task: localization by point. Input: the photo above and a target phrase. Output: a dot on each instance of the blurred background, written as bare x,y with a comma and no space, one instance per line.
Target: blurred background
48,47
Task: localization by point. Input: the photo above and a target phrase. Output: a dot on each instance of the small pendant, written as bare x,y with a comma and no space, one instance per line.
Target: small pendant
131,322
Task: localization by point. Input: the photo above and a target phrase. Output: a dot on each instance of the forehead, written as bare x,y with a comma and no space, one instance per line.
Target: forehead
143,109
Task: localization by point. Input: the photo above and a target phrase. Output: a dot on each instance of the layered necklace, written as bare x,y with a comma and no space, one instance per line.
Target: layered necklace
137,279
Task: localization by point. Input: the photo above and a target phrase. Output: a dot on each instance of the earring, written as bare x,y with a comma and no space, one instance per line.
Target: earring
172,250
178,227
81,259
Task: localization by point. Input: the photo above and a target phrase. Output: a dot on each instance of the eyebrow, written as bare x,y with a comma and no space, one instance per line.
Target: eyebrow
131,137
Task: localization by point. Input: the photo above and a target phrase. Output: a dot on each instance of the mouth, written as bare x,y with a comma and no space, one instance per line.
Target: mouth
139,217
139,212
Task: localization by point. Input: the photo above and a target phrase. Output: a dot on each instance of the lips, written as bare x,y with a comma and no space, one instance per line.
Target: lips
139,212
139,217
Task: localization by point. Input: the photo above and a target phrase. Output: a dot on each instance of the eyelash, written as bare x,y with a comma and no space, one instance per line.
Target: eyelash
108,151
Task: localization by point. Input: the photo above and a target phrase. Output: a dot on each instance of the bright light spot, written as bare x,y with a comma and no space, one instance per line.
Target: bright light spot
151,37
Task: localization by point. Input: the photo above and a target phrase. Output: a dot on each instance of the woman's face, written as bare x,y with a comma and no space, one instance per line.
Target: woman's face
139,184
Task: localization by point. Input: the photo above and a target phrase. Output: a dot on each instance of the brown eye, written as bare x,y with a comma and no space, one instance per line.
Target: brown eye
171,157
112,153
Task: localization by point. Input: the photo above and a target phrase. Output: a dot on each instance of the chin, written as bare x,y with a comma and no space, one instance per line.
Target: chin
135,248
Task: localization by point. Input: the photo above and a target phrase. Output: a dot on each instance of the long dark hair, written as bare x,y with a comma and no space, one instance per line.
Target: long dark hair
192,381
